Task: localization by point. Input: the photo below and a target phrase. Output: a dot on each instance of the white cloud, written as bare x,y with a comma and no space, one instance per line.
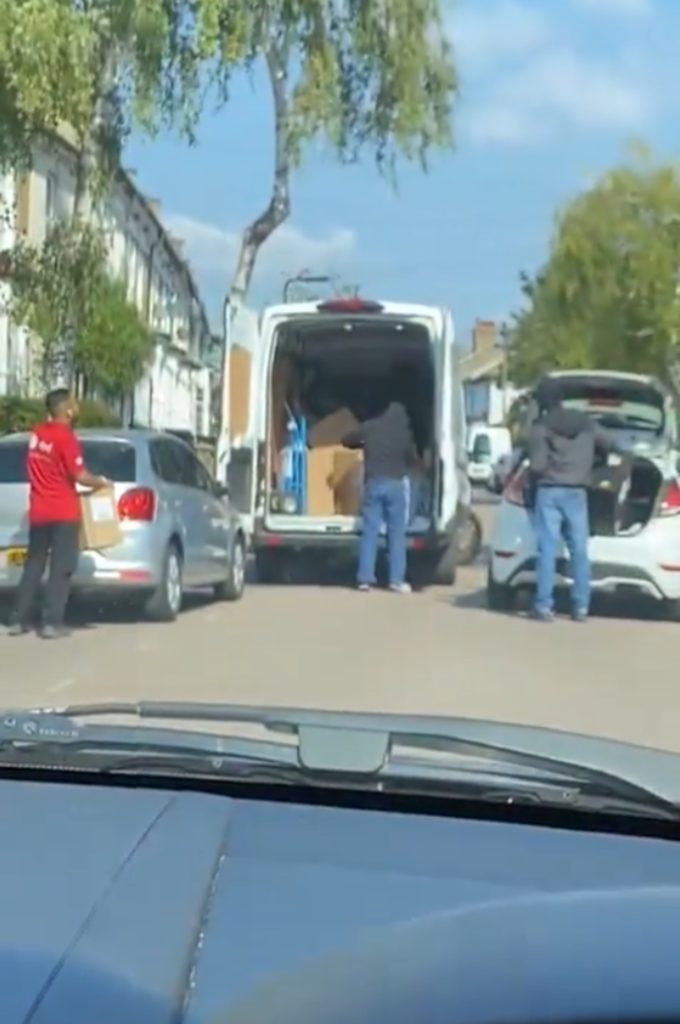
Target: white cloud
558,90
617,8
486,32
213,250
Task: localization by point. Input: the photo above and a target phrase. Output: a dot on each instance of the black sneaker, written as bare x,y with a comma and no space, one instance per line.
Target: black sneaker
54,632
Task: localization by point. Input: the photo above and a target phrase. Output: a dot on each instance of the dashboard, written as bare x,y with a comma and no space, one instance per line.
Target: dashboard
164,906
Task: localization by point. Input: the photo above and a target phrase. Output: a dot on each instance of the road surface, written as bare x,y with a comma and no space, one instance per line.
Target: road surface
436,652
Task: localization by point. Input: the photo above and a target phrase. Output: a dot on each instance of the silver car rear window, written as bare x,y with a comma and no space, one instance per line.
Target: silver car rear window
116,460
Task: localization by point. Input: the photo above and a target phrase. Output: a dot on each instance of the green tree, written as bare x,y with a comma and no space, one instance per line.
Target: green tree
358,77
99,67
63,290
609,293
114,345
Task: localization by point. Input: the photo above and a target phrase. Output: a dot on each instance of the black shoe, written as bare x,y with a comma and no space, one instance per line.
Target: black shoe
18,629
54,632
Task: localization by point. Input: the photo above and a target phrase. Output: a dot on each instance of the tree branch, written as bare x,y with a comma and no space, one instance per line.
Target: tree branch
278,209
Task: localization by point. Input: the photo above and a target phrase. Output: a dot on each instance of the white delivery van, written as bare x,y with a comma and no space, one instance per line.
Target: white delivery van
320,368
486,445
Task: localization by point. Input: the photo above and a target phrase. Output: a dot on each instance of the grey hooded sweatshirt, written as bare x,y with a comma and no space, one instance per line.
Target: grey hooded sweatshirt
562,448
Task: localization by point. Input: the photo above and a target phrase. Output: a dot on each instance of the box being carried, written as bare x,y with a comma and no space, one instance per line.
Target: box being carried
99,523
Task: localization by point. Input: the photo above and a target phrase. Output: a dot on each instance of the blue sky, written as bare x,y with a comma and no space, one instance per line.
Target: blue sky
552,93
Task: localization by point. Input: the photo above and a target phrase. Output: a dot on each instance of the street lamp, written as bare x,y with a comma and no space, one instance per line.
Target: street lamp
504,335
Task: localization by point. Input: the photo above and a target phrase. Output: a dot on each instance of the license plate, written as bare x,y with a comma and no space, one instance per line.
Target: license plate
16,556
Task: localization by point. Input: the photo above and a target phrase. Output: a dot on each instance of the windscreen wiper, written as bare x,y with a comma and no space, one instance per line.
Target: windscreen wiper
334,748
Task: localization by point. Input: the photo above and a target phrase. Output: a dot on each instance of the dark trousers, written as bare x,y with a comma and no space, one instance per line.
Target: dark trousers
60,543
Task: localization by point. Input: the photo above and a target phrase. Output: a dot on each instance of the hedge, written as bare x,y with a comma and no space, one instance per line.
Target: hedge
19,414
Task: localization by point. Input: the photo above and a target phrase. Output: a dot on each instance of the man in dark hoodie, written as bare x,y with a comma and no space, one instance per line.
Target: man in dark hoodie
389,455
562,450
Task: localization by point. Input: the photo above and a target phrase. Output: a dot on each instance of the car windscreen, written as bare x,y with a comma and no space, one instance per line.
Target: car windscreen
113,459
481,447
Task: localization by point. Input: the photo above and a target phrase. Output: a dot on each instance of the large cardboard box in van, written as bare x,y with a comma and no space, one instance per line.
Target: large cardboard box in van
331,429
99,524
348,481
320,493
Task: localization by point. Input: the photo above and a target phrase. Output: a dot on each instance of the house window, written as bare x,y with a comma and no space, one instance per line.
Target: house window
51,186
56,200
200,410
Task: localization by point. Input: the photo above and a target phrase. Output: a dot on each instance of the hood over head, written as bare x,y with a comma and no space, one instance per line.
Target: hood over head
567,422
548,394
558,420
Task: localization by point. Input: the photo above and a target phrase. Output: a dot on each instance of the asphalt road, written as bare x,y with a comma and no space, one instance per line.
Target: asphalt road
436,652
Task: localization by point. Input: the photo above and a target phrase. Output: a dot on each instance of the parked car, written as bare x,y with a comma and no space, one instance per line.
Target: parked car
179,530
486,444
639,554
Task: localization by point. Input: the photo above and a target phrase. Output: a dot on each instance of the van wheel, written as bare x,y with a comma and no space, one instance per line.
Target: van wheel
231,589
467,538
433,568
499,596
270,567
165,603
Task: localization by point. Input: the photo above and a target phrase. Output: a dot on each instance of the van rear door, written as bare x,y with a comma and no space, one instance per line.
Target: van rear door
450,425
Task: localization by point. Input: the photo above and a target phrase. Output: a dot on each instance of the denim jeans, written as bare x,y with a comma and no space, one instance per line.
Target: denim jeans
384,501
562,512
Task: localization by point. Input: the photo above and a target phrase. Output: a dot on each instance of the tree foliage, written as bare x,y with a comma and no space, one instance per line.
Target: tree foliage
101,67
608,295
354,76
63,292
114,344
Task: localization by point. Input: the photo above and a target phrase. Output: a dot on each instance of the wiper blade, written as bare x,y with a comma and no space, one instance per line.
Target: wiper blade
381,747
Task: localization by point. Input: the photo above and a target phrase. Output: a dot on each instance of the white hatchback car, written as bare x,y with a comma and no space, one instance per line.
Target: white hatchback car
639,553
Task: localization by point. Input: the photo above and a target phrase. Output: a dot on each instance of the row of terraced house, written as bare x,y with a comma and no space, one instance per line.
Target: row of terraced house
175,389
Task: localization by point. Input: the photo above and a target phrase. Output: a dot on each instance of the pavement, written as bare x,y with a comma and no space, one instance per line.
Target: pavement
439,652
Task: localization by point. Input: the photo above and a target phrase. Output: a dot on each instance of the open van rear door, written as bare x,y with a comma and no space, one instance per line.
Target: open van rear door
237,446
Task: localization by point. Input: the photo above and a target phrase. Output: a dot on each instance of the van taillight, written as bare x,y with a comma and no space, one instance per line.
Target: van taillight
137,505
670,501
515,488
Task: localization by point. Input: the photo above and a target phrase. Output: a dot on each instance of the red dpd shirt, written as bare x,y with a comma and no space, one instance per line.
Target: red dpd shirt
54,460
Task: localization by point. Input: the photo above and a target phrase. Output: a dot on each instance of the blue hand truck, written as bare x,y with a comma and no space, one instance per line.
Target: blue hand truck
295,474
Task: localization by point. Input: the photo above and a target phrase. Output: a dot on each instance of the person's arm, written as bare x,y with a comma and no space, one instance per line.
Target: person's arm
72,455
354,438
538,450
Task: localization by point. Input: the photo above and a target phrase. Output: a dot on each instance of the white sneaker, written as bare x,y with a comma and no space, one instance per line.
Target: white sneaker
400,588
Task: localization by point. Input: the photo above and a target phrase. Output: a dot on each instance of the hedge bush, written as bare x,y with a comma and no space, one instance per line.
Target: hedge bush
19,414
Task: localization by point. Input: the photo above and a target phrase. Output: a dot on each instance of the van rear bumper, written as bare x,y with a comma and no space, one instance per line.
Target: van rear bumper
269,540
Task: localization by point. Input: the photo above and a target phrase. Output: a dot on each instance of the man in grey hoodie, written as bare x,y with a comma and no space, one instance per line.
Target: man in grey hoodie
562,450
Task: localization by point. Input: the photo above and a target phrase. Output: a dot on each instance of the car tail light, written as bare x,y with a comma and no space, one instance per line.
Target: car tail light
137,505
352,304
515,488
670,500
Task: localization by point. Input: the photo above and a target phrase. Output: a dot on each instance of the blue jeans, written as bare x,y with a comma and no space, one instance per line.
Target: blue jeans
562,512
384,501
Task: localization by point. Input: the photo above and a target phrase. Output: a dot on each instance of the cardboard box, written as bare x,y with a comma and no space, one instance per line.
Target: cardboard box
348,481
99,524
320,493
331,429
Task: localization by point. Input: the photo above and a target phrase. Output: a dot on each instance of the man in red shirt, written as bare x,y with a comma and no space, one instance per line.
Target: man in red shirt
55,465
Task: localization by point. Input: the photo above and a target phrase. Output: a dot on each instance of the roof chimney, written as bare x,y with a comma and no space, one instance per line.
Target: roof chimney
484,336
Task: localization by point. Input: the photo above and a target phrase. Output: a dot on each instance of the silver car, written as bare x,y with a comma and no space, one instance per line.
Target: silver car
179,530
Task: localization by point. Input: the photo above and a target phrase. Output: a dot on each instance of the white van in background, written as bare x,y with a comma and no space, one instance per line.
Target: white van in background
320,367
486,446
